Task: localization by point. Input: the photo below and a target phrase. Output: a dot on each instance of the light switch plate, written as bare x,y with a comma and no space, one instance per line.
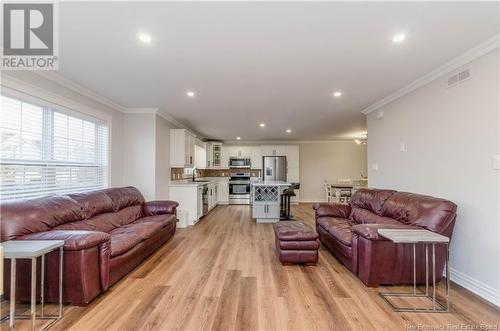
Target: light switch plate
496,162
375,166
402,147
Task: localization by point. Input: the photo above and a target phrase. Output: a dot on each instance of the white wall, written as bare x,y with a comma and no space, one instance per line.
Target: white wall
451,136
140,153
320,161
162,170
37,86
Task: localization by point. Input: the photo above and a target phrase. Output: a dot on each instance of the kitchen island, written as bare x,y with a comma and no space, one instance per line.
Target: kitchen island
265,198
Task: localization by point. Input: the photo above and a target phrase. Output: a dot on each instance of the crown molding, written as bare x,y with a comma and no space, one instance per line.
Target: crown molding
141,110
284,142
469,56
57,78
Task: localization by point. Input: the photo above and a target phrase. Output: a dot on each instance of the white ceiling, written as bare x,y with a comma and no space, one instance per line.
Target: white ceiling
272,62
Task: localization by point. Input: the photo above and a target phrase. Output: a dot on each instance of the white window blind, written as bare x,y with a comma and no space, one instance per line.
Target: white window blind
46,151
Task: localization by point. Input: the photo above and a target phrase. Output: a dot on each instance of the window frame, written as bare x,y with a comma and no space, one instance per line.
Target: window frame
85,114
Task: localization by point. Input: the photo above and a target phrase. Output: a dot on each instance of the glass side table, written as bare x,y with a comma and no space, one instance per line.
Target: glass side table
32,249
425,237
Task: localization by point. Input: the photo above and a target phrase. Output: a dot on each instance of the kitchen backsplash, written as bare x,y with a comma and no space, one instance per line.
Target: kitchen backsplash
180,173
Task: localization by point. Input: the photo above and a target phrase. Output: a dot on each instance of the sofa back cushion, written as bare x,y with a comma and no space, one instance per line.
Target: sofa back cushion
370,199
434,214
124,197
365,216
93,203
23,217
108,209
102,210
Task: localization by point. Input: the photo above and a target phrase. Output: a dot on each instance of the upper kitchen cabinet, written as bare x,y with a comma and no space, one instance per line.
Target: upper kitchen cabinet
292,155
214,155
274,150
200,154
255,154
182,148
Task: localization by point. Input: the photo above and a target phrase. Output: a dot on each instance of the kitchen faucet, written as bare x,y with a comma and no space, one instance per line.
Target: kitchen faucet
194,173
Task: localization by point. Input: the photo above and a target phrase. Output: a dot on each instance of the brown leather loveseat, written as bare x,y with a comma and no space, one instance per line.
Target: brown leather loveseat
350,233
107,233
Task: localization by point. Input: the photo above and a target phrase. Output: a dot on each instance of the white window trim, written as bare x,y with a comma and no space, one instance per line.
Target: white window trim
31,94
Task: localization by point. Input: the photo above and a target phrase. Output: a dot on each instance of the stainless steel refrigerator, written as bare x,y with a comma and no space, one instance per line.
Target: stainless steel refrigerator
274,168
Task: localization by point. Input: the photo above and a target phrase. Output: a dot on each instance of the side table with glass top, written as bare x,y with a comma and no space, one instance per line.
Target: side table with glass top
33,249
425,237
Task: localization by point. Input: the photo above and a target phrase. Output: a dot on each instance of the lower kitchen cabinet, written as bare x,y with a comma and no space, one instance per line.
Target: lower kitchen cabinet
269,212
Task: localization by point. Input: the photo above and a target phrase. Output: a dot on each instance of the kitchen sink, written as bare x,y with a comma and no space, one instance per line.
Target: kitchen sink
201,181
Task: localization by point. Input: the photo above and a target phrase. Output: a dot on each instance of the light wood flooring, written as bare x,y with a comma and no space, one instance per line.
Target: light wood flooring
223,274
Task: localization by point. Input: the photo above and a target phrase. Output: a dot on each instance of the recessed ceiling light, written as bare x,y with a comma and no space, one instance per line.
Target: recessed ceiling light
400,37
145,38
337,94
288,131
262,125
190,94
238,138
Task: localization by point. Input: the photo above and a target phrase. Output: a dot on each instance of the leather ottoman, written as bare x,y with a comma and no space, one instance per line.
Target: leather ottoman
296,242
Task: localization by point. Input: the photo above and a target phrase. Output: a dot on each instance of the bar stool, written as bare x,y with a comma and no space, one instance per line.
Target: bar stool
286,197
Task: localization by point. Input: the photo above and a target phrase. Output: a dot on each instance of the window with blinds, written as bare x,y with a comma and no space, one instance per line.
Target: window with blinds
49,151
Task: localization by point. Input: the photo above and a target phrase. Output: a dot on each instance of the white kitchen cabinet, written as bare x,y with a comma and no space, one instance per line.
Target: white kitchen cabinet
223,191
227,152
200,155
255,154
214,155
292,155
274,150
181,148
212,195
199,199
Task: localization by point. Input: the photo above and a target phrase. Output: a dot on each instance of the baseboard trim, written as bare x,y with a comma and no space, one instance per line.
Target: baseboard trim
312,201
484,291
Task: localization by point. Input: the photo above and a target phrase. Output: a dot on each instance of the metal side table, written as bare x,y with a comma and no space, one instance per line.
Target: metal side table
414,237
32,249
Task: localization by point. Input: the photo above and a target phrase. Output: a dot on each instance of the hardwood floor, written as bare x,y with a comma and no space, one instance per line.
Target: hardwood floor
223,274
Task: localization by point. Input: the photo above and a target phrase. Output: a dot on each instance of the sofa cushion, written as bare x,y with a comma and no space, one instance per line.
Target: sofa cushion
364,216
163,220
370,199
434,214
23,217
93,203
123,239
339,228
124,197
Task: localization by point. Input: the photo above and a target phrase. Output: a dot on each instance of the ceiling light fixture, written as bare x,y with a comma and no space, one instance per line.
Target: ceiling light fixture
337,94
238,138
145,38
190,94
262,125
288,131
400,37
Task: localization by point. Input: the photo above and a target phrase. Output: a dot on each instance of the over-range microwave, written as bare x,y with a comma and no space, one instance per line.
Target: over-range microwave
239,162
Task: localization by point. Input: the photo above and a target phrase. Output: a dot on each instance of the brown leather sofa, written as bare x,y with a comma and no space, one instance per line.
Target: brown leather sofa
350,233
106,233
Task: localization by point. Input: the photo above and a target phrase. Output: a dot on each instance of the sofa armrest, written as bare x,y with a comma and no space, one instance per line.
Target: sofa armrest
159,207
332,210
74,240
369,231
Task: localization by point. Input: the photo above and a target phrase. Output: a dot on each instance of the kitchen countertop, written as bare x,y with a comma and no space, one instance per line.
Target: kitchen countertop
200,181
269,183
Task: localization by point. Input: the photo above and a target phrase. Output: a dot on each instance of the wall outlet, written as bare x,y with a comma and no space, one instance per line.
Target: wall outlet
380,115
